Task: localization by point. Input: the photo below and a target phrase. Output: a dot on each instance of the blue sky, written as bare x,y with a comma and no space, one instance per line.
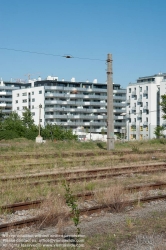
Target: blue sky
133,31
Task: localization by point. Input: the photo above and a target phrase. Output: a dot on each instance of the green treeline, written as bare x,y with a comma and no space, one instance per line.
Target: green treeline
14,126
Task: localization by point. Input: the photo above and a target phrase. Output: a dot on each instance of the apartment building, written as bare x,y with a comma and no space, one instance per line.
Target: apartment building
6,89
81,106
142,106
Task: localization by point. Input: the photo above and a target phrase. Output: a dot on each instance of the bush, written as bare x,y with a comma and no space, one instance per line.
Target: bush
8,135
30,134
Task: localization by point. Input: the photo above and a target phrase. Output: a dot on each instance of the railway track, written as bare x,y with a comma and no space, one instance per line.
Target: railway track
77,154
87,195
90,174
86,211
75,163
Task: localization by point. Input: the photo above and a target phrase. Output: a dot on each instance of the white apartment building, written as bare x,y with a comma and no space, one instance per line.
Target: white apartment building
80,106
6,89
142,106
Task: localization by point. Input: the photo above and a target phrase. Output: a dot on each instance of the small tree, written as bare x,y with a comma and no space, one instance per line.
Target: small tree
158,131
27,118
14,123
103,132
163,106
2,116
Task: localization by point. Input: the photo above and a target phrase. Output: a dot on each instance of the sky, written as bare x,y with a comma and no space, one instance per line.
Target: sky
133,31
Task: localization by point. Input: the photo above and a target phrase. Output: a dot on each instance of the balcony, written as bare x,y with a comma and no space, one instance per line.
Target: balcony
133,123
145,107
133,108
3,105
146,92
145,123
139,115
4,93
139,99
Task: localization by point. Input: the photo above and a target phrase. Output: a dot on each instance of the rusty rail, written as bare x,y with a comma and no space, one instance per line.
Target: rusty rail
86,211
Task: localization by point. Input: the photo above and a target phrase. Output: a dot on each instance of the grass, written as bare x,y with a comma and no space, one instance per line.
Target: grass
24,145
11,193
129,229
53,211
32,165
113,195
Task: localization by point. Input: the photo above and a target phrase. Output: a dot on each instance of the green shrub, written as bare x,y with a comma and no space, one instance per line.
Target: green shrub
8,135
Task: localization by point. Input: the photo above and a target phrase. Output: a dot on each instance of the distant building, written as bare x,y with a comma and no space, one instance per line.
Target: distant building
80,106
6,89
143,110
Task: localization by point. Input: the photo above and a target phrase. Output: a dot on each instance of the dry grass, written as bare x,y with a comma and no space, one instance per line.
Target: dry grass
54,211
11,193
114,195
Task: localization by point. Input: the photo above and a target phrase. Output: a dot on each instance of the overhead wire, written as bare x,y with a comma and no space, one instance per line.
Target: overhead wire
51,54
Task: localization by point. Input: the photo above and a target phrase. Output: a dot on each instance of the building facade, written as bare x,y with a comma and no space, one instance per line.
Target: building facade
143,106
80,106
6,89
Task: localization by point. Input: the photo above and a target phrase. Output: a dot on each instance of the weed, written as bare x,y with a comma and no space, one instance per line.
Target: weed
114,196
90,186
71,202
129,223
53,211
135,149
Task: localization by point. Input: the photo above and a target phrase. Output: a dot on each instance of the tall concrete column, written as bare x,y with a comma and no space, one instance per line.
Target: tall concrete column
110,120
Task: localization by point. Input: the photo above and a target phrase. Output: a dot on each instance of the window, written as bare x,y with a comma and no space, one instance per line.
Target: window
17,95
134,136
16,101
129,90
133,128
33,113
140,89
24,100
40,120
40,91
141,128
24,94
32,93
147,128
141,137
33,100
17,108
24,107
32,106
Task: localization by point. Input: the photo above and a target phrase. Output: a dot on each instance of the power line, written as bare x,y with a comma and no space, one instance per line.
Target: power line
50,54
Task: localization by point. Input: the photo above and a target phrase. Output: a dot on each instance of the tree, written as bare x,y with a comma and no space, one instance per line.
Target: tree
163,106
103,132
158,131
2,116
53,131
14,123
27,118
